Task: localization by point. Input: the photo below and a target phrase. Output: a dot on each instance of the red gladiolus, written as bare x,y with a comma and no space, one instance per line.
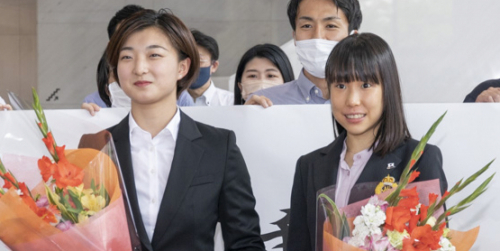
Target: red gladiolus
412,163
423,212
47,168
8,179
423,238
410,198
445,194
49,142
413,176
25,196
46,215
396,218
66,173
432,198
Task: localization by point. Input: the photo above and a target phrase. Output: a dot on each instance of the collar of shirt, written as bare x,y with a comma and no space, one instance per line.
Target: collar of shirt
2,102
347,176
171,128
152,161
209,94
308,89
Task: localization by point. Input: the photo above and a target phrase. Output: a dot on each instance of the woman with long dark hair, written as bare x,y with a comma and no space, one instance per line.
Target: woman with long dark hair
366,100
262,66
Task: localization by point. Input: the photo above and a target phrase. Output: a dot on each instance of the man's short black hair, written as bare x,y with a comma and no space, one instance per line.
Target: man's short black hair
207,42
121,15
351,10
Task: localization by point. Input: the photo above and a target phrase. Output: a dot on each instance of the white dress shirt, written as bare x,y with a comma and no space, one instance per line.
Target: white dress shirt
214,96
2,102
151,162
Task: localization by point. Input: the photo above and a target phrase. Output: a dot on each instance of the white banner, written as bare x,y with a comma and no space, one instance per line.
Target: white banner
272,140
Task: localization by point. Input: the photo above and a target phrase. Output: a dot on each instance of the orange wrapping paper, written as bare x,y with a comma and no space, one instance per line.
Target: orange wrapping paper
21,229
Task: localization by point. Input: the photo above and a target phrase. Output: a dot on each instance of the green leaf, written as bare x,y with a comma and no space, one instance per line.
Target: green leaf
393,198
76,201
342,227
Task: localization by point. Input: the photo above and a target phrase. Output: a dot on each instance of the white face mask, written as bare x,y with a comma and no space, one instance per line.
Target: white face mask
313,54
250,86
117,96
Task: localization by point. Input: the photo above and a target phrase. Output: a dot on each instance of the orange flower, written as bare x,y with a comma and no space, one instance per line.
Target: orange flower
423,212
412,223
412,163
445,194
25,196
396,218
47,168
49,142
432,198
66,173
46,215
413,176
8,179
410,198
425,239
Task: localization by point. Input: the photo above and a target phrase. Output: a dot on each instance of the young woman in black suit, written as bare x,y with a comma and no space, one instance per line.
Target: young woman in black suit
366,100
182,177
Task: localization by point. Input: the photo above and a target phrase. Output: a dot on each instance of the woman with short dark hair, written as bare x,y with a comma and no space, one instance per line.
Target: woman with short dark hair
182,177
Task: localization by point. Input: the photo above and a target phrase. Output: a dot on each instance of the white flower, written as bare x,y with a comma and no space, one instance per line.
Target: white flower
367,224
445,245
431,221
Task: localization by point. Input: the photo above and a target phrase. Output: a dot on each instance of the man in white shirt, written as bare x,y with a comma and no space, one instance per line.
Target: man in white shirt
203,90
4,106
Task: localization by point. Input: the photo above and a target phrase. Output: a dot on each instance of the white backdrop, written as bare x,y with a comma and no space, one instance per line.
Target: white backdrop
271,141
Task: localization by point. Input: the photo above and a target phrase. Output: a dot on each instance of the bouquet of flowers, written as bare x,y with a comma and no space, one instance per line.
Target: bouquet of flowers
410,216
78,203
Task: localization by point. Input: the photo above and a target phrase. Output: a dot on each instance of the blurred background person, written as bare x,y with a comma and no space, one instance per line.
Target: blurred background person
261,67
4,106
203,90
487,91
318,25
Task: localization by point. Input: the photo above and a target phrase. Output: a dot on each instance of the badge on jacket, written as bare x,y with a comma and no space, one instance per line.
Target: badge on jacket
387,183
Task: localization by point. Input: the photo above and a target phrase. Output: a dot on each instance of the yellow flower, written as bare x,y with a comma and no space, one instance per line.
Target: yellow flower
396,238
82,217
76,190
92,203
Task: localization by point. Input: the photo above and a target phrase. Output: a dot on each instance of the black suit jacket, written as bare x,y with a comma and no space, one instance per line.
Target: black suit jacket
208,182
318,170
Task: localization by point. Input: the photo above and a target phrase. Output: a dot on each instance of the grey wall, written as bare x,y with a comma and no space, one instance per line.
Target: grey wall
18,43
443,48
72,36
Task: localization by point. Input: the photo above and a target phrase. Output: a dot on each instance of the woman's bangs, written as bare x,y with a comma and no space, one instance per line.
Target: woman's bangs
356,65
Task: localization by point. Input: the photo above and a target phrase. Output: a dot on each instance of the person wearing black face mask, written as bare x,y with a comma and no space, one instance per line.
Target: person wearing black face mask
203,90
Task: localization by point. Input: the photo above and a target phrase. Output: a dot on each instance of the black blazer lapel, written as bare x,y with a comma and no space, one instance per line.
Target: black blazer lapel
326,168
187,158
121,138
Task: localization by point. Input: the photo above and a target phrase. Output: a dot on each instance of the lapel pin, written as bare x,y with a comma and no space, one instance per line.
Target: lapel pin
390,166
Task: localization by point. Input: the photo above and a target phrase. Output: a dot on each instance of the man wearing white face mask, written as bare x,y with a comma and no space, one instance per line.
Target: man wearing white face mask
317,26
